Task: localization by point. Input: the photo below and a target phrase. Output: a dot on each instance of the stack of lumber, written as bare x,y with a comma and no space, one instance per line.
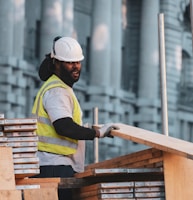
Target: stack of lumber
20,135
18,162
121,183
8,188
7,180
123,190
176,157
138,175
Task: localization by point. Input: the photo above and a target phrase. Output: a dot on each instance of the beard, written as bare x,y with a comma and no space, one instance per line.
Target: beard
69,76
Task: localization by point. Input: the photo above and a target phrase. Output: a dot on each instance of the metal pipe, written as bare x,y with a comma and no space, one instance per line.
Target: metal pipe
96,142
191,18
162,64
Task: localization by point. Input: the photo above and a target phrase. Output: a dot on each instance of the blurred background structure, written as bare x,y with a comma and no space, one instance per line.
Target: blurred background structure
120,73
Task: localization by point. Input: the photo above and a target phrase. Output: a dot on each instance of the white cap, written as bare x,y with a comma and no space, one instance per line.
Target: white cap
67,49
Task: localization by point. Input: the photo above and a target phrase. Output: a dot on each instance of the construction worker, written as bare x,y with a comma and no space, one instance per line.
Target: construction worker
61,145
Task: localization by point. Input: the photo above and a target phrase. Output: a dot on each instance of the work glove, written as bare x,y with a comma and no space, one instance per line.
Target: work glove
105,130
87,125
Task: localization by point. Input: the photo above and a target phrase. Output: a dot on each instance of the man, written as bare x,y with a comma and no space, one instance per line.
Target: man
61,146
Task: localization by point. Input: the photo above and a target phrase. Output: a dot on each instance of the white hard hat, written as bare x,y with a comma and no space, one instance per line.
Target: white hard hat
67,49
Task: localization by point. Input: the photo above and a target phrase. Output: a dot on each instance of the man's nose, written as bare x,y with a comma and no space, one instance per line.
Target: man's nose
76,64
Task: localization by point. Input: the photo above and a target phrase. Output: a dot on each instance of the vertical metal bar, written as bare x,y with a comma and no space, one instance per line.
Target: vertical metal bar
163,74
191,18
96,143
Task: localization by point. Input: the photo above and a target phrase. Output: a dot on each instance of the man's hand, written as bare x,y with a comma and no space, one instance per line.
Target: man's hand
105,130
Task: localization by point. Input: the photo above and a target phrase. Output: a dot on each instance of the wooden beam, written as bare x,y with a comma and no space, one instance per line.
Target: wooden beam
43,194
144,158
178,176
116,172
155,140
43,182
10,195
7,179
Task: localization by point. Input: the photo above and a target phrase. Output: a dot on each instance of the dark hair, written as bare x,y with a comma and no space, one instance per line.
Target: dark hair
47,66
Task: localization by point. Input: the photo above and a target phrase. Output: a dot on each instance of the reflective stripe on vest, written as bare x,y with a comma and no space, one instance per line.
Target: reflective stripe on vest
50,140
42,120
57,141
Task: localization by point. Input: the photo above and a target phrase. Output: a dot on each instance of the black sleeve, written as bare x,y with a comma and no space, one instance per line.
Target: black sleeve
68,128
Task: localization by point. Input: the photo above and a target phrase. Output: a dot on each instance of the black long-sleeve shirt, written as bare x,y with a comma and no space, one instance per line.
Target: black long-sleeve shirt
67,127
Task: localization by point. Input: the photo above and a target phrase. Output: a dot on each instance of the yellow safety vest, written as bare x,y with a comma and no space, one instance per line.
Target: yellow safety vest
49,140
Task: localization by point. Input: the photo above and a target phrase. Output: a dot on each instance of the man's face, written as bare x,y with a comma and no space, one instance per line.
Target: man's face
70,72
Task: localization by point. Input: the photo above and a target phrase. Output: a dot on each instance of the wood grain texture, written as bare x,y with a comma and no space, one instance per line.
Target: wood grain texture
155,140
178,175
145,158
43,194
7,179
10,195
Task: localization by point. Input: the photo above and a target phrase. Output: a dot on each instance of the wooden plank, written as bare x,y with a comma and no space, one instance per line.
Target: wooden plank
73,182
95,192
150,189
22,173
112,185
18,144
151,196
98,198
43,194
149,183
24,149
117,190
178,175
43,182
17,128
24,155
111,196
128,195
20,134
22,139
23,187
137,159
26,166
114,171
3,139
16,121
26,160
10,195
126,184
7,179
155,140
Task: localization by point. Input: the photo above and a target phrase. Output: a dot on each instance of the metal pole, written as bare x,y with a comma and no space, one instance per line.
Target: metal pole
96,143
163,74
191,18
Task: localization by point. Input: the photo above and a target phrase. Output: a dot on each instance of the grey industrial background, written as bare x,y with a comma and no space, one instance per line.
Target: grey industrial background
120,75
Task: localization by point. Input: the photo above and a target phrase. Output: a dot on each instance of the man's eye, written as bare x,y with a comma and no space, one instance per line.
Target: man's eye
72,63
